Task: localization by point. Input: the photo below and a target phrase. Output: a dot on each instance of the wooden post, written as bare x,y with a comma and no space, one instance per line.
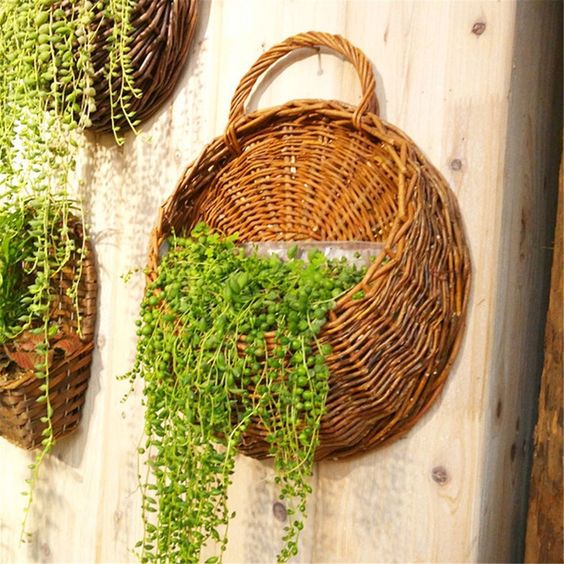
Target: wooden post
546,519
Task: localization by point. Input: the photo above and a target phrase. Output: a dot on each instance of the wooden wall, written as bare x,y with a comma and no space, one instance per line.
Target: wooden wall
475,85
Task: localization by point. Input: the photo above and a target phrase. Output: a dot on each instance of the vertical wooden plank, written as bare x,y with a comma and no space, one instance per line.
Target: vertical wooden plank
255,534
531,157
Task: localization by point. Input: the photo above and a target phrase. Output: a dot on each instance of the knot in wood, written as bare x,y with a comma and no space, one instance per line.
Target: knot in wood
440,475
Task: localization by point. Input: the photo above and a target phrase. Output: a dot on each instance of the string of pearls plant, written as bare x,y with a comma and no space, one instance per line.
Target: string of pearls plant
228,340
47,95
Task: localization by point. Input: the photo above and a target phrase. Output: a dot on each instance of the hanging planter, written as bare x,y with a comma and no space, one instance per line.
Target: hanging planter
22,413
314,170
158,43
322,375
47,275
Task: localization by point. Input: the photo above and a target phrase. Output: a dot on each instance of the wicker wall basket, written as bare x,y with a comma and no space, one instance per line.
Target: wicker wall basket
163,31
324,170
70,356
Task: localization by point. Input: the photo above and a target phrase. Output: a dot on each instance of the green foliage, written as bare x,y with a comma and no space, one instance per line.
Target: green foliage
119,65
24,298
15,252
227,340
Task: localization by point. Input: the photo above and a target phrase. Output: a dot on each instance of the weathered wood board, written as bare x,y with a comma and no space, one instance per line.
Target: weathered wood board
475,85
545,521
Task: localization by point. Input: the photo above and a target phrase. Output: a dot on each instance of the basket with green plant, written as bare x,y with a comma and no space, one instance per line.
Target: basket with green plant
47,273
295,360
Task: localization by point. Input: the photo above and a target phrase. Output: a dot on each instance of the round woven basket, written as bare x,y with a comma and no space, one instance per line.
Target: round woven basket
324,170
70,356
163,31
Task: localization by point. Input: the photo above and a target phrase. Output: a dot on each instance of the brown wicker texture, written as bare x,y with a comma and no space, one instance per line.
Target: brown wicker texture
323,170
163,31
69,360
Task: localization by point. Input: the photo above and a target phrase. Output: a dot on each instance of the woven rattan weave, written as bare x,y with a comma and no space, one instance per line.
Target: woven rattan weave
69,359
323,170
163,31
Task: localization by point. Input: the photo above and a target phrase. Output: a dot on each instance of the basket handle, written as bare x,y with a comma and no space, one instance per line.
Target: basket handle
310,39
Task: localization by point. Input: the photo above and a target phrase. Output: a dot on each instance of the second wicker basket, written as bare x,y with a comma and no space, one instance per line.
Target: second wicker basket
162,34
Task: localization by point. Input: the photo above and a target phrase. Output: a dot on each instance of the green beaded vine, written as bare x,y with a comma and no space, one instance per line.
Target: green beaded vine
47,94
227,339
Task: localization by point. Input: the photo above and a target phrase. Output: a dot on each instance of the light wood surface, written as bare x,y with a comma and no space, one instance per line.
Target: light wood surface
479,104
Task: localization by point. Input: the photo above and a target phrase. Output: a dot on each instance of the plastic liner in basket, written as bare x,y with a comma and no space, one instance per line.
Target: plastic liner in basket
359,253
324,171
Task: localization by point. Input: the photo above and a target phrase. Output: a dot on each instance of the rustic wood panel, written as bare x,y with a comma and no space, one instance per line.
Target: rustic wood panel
546,517
472,84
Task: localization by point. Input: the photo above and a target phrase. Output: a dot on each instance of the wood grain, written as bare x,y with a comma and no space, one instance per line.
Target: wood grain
481,105
545,520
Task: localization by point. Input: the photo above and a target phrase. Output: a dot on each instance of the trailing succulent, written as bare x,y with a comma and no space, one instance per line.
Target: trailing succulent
228,340
47,91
